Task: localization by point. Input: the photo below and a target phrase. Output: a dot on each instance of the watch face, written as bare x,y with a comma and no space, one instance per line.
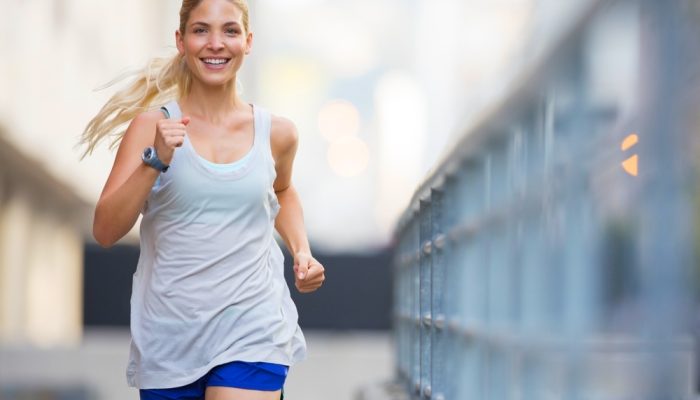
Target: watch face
148,153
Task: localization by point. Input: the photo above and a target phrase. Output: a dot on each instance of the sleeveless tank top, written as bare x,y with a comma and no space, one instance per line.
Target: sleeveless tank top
209,287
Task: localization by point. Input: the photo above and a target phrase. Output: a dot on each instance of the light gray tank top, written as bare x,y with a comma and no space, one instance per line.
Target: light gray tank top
209,287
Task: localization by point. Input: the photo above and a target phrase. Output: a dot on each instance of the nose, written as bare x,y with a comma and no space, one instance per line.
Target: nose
215,42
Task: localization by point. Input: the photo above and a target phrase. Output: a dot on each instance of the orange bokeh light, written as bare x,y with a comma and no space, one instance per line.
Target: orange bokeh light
631,165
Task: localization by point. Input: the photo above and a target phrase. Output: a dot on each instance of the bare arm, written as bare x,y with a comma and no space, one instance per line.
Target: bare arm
130,180
290,220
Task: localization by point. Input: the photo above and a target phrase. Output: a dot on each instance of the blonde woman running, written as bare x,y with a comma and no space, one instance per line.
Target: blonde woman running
211,314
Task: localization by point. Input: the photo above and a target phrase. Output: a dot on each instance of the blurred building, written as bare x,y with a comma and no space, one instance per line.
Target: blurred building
42,225
65,50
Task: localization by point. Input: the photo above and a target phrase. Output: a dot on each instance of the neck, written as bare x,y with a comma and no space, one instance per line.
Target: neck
211,103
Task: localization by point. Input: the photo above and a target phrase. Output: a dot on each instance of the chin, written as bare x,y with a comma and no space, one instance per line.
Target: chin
216,81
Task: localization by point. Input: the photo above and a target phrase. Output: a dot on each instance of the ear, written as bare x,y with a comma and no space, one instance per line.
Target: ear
178,42
249,43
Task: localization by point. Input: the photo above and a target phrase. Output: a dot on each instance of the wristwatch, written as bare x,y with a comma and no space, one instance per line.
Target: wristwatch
150,158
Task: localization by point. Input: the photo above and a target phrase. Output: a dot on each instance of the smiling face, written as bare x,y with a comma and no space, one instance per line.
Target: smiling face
214,41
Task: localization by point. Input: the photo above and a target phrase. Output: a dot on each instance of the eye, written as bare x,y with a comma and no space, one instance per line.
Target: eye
198,30
232,31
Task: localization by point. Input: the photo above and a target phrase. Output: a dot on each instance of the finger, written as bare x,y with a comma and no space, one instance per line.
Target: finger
174,134
316,283
167,123
185,120
302,270
307,290
173,129
309,278
308,284
174,142
303,289
316,269
314,273
319,279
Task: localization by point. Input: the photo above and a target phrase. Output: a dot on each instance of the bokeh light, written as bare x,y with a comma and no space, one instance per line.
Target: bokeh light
338,118
348,156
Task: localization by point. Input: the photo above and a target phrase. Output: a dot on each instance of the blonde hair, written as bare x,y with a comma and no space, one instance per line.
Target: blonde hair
159,81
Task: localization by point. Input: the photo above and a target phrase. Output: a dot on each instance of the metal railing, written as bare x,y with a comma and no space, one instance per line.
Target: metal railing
550,254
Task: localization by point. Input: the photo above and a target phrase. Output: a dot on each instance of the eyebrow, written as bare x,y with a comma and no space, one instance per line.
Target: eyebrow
200,23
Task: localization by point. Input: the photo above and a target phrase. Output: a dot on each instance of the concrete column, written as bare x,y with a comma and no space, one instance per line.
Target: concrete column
54,290
15,235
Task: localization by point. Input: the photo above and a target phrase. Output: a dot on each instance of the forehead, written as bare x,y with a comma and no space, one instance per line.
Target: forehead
216,11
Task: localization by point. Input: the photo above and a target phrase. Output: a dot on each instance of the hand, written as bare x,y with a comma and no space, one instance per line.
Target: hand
308,273
170,133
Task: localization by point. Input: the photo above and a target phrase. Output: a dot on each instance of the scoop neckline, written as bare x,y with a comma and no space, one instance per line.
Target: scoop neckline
236,164
236,168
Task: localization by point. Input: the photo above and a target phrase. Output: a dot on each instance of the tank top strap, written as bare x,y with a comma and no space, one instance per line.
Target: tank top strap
262,124
171,110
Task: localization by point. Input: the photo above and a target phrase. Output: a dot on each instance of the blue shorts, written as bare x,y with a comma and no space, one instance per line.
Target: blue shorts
238,374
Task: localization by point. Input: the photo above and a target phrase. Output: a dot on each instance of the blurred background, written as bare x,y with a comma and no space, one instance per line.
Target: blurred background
392,99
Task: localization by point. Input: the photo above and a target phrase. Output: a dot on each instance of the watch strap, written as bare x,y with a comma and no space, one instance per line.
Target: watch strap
159,165
153,161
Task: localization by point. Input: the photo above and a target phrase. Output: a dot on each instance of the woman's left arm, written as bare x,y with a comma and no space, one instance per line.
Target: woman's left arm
309,274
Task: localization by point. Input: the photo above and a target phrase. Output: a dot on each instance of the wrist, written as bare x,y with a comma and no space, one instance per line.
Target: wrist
302,252
150,158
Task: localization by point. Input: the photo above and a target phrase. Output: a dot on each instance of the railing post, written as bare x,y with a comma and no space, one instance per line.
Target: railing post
425,317
437,328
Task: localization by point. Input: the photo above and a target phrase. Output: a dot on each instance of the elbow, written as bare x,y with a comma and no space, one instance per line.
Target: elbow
105,244
102,238
101,232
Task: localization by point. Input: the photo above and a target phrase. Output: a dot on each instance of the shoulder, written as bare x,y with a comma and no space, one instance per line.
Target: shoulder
147,118
142,128
144,123
284,136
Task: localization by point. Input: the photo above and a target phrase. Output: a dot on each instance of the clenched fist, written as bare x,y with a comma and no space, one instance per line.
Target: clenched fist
309,274
170,133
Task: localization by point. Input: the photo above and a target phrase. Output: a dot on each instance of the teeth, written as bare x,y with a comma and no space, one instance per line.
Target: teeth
215,61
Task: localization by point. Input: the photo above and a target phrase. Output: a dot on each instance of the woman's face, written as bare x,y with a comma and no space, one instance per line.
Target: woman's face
214,42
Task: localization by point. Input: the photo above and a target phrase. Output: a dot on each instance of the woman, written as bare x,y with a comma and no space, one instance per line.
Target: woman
211,315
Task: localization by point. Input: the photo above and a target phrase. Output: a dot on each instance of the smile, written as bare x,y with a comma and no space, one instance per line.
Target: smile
215,61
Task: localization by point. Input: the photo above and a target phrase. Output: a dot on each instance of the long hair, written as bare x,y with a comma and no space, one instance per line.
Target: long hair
162,79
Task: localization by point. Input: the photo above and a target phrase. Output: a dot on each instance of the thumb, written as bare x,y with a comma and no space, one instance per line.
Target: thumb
185,120
302,269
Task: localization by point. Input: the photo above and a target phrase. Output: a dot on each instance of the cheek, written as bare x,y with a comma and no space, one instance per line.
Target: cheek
240,47
190,49
192,46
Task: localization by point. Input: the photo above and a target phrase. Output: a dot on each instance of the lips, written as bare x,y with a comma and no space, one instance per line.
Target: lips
215,61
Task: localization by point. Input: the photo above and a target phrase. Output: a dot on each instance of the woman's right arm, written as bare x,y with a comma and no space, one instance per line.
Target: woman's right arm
130,180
